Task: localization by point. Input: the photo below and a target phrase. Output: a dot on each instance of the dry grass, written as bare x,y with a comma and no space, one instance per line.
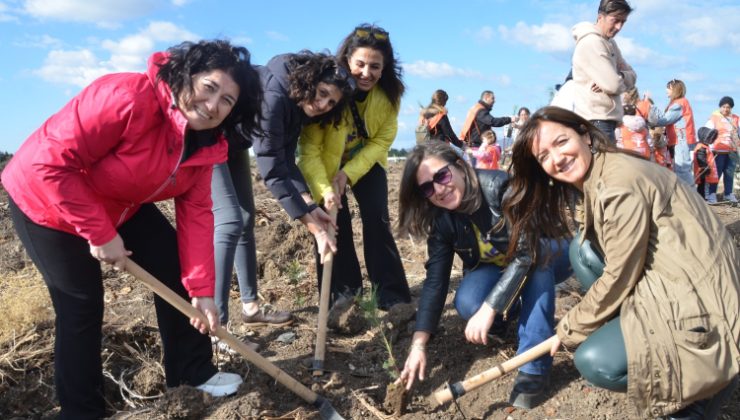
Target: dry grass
25,302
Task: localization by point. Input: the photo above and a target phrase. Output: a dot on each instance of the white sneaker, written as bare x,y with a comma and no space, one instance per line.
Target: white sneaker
221,384
731,198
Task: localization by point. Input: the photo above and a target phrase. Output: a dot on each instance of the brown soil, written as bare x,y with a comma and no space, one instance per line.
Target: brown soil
357,374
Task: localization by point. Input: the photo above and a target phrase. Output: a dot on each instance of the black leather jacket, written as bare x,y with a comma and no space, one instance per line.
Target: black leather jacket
452,233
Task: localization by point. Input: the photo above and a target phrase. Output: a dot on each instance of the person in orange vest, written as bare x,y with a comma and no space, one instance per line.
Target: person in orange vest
726,147
479,119
661,156
435,115
633,133
705,169
678,119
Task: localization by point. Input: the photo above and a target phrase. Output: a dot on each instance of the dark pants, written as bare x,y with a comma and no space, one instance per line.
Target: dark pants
382,259
74,280
607,127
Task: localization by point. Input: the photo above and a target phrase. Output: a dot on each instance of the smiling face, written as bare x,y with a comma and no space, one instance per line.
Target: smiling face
725,110
447,196
366,66
213,97
562,153
327,97
611,24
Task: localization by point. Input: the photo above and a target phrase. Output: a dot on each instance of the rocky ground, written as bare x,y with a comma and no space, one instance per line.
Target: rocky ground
359,365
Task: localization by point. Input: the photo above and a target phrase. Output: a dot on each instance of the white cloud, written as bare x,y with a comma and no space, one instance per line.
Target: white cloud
180,2
548,37
277,36
100,12
80,67
638,54
484,34
39,41
433,70
71,67
5,16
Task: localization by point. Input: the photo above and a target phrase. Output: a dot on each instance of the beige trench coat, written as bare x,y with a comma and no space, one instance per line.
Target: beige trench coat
671,267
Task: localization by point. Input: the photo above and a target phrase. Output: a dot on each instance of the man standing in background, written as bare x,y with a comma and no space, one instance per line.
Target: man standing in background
600,74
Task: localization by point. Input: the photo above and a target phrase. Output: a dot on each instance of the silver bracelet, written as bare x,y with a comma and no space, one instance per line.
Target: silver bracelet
418,346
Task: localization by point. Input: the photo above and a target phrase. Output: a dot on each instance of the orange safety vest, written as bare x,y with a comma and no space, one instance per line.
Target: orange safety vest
663,157
636,141
470,121
643,108
725,126
688,129
712,176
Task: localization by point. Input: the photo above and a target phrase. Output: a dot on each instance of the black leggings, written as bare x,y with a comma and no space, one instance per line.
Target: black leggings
74,280
382,259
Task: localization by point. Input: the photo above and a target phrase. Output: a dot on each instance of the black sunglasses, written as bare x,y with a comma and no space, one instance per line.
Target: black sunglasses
367,31
442,177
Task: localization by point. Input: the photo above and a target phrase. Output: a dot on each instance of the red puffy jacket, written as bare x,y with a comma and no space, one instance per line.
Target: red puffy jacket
116,145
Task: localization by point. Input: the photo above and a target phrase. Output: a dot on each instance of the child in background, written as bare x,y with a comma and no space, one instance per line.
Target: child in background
661,155
633,133
705,169
489,153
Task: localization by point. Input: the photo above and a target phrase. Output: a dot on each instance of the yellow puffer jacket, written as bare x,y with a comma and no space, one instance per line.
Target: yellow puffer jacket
320,149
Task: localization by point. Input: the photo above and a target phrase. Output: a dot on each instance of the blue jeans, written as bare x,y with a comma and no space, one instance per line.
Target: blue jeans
233,240
726,170
607,127
536,319
682,160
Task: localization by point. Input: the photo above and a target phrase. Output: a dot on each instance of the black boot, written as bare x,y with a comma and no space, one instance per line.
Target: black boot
529,390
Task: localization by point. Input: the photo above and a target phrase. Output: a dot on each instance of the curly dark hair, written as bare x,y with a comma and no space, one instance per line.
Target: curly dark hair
307,69
188,59
377,38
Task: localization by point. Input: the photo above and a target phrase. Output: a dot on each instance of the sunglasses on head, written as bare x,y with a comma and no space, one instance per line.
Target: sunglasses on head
442,177
366,32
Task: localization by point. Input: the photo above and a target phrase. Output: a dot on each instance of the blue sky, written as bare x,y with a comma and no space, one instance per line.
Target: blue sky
50,49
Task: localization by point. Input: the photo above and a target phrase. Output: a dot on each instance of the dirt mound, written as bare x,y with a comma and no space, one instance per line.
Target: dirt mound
358,366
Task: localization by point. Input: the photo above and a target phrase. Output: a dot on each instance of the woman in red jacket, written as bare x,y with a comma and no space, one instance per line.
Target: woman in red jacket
82,190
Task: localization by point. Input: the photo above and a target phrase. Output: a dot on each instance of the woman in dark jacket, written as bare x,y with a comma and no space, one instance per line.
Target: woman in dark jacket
298,88
436,116
459,210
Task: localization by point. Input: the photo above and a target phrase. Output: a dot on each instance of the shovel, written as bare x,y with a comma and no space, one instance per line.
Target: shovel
326,411
458,389
320,351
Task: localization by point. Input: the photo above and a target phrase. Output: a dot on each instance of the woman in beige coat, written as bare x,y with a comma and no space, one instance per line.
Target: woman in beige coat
671,273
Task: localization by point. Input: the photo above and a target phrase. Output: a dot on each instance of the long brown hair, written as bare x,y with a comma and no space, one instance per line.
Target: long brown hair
537,205
416,213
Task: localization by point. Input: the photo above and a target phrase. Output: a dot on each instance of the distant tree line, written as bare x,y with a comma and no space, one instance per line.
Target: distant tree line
4,159
397,152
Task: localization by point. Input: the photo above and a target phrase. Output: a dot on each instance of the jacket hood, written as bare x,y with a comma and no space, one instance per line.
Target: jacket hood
634,122
707,135
583,29
278,67
167,102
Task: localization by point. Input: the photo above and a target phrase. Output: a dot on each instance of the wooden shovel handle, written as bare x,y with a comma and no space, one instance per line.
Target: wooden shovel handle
445,395
320,351
191,312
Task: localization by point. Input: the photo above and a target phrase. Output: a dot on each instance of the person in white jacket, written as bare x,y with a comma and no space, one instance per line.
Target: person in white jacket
600,74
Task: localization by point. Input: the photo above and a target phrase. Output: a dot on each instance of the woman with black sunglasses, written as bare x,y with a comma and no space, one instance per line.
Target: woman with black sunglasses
354,153
298,89
458,209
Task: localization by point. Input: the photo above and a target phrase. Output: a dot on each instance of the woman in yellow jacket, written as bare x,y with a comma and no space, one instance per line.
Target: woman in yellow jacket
355,154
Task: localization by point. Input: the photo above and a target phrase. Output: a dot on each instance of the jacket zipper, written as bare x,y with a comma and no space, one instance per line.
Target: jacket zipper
170,179
505,313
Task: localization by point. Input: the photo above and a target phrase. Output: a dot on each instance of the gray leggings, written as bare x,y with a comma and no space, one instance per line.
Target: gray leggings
233,212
